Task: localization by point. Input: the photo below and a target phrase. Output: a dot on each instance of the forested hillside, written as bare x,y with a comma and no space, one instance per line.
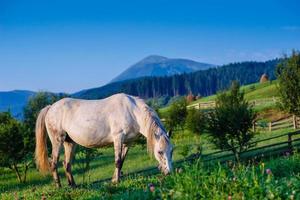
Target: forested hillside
204,83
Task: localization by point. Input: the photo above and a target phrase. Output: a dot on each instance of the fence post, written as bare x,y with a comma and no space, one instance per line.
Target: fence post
270,126
290,145
253,127
295,122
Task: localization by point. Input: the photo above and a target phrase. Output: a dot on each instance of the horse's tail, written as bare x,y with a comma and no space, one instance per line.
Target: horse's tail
41,152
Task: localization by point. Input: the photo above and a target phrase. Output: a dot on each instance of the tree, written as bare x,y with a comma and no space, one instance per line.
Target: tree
11,144
31,111
177,114
288,74
195,121
231,121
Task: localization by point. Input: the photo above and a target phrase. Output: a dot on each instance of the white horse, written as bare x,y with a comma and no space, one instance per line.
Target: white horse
116,120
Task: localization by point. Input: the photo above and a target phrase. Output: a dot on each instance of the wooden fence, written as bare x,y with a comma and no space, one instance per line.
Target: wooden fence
288,122
258,102
203,105
212,104
289,143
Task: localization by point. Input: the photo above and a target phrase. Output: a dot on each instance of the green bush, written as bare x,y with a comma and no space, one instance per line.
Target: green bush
11,144
177,114
195,121
230,124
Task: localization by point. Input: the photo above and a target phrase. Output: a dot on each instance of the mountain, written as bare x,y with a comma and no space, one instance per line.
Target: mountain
160,66
14,101
204,82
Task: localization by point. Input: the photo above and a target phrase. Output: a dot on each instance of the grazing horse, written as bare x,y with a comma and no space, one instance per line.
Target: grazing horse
116,120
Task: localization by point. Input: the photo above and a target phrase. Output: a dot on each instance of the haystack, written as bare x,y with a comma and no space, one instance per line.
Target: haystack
264,78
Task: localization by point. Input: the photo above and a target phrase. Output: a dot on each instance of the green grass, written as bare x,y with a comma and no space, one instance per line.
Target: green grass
192,181
103,166
252,92
261,91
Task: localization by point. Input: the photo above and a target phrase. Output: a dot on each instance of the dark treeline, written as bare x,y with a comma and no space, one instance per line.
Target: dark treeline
204,83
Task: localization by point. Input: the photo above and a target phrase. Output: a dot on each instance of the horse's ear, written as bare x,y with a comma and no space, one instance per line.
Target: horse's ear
169,133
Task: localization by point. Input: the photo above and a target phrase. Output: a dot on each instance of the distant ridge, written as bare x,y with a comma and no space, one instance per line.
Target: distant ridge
14,101
155,65
203,82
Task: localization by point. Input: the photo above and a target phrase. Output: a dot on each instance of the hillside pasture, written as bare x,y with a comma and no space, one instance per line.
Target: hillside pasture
277,178
102,167
186,144
261,95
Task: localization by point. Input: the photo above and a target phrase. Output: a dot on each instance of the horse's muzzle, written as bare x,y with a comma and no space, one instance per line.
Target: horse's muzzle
164,171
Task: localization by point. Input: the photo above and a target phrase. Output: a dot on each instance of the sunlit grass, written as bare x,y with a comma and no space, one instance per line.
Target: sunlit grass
277,178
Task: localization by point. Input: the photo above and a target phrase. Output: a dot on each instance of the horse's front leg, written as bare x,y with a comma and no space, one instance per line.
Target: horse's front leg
120,153
124,153
119,164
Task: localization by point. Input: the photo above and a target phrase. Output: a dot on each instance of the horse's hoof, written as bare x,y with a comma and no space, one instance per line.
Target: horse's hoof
115,181
73,185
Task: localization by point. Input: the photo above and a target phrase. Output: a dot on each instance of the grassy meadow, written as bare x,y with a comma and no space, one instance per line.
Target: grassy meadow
255,91
190,181
103,166
277,178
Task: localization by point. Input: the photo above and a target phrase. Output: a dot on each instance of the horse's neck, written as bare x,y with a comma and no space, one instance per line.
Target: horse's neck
144,120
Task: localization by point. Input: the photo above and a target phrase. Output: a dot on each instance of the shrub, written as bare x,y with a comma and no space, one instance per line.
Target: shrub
195,121
11,144
231,122
177,114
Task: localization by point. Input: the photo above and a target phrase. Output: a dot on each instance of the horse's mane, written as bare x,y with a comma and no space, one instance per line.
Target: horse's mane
153,124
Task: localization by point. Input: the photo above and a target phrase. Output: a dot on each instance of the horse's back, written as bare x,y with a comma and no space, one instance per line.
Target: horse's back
93,121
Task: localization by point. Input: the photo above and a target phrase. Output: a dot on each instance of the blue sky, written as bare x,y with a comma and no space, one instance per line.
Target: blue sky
72,45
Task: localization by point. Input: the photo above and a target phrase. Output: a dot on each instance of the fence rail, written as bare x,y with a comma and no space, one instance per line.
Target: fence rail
288,122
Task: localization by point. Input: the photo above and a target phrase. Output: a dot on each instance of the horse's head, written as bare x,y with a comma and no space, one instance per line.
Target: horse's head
163,150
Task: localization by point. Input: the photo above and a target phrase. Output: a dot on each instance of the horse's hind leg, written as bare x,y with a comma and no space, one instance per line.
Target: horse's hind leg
55,157
69,153
57,138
